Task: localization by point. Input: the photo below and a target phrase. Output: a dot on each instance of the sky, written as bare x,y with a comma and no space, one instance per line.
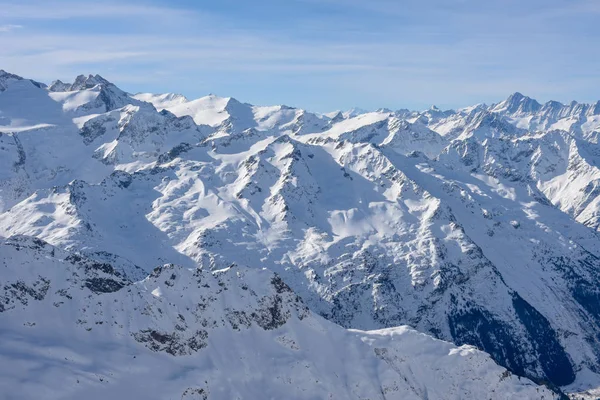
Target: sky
321,55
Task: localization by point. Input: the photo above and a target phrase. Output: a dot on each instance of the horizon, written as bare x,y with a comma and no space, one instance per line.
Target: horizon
355,108
320,56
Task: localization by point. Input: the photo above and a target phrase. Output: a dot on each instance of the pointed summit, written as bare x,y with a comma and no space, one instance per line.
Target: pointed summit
336,118
4,73
517,103
353,112
516,97
59,86
83,82
553,105
6,78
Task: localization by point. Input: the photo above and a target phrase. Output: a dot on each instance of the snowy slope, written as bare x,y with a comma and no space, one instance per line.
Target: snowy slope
161,101
468,225
194,334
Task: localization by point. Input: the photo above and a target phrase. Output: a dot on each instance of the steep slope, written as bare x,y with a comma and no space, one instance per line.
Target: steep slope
51,138
562,167
387,251
196,334
7,78
462,224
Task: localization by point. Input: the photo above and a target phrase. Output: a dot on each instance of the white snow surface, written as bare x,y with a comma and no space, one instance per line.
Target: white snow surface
478,226
162,101
73,328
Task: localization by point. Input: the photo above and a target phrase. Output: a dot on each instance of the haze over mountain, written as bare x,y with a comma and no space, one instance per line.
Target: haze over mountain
214,249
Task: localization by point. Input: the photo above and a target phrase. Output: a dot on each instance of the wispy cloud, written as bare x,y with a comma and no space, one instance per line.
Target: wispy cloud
9,27
61,10
453,55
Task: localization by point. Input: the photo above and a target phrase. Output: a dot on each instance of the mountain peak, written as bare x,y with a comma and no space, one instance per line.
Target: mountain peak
163,100
4,73
6,78
336,117
516,96
59,86
353,112
517,103
83,82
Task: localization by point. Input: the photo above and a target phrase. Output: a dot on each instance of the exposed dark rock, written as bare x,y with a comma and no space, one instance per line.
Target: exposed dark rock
172,343
103,285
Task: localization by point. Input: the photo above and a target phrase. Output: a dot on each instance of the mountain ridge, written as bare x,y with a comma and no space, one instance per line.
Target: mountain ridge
467,225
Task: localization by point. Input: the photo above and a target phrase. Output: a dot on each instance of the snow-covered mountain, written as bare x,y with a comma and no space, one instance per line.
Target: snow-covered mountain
73,328
477,226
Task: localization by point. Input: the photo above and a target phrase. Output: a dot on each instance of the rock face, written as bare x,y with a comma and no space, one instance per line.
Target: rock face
476,226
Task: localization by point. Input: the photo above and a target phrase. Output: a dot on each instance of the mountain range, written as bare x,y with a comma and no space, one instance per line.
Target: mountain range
213,249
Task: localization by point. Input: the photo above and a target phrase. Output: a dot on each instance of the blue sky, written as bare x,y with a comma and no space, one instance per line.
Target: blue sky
320,55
